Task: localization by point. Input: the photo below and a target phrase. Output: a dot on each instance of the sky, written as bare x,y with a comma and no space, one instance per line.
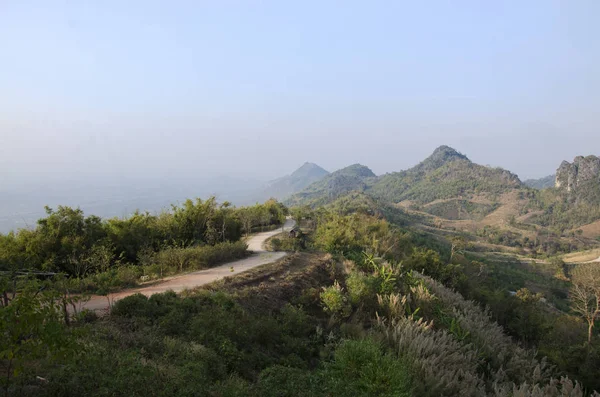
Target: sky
140,90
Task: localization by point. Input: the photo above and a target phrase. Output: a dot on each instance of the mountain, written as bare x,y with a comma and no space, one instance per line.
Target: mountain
541,183
575,201
582,171
283,187
334,185
579,181
443,175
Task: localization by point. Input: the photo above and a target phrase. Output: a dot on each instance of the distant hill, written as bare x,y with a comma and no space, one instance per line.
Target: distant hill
352,178
443,175
541,183
283,187
448,186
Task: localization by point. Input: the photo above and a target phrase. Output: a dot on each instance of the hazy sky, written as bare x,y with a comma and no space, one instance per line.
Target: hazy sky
121,89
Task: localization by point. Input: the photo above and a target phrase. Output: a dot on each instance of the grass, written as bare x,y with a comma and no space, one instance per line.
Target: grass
583,256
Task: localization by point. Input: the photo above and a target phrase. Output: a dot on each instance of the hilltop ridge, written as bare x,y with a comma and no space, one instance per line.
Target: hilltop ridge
334,185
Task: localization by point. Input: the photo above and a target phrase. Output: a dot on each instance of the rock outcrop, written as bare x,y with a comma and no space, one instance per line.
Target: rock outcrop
583,169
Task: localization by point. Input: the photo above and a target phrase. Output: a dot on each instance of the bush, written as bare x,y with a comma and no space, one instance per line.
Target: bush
128,276
362,368
86,316
173,259
275,244
334,300
136,305
362,289
281,381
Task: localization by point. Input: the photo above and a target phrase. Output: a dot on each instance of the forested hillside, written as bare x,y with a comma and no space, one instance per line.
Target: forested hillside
542,183
445,174
352,178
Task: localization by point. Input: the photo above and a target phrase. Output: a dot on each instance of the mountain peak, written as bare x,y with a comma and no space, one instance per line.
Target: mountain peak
309,169
441,156
447,151
357,170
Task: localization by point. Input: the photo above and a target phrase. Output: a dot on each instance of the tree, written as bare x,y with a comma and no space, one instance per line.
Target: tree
459,243
191,219
32,327
248,217
585,294
63,239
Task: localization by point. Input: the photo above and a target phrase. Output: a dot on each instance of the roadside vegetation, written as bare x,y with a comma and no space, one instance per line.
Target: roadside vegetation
97,255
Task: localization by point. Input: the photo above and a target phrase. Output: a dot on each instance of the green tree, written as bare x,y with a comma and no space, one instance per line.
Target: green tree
32,327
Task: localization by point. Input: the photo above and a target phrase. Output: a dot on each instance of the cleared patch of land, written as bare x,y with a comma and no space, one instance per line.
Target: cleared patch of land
583,256
591,230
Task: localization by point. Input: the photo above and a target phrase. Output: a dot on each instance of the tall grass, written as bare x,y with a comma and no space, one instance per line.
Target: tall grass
482,361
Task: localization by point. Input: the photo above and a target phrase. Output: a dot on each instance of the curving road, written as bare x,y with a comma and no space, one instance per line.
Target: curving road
190,280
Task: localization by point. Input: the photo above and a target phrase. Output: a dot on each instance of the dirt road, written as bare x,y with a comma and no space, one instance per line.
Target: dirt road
201,277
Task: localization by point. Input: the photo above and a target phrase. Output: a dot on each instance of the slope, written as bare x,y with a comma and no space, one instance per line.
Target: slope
443,175
352,178
283,187
541,183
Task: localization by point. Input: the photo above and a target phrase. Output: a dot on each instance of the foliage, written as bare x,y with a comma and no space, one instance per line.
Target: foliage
460,209
69,242
357,232
566,210
335,301
541,183
332,186
366,368
445,174
32,327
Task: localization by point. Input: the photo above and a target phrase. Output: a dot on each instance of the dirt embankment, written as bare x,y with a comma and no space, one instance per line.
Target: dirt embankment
272,286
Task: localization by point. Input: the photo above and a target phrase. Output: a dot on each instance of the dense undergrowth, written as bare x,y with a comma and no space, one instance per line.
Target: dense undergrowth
374,329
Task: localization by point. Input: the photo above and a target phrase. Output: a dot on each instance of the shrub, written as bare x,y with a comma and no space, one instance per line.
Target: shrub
334,300
234,386
275,244
128,276
361,288
86,316
136,305
362,368
281,381
175,259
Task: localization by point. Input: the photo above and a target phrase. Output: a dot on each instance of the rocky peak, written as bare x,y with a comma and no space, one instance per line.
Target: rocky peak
583,169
